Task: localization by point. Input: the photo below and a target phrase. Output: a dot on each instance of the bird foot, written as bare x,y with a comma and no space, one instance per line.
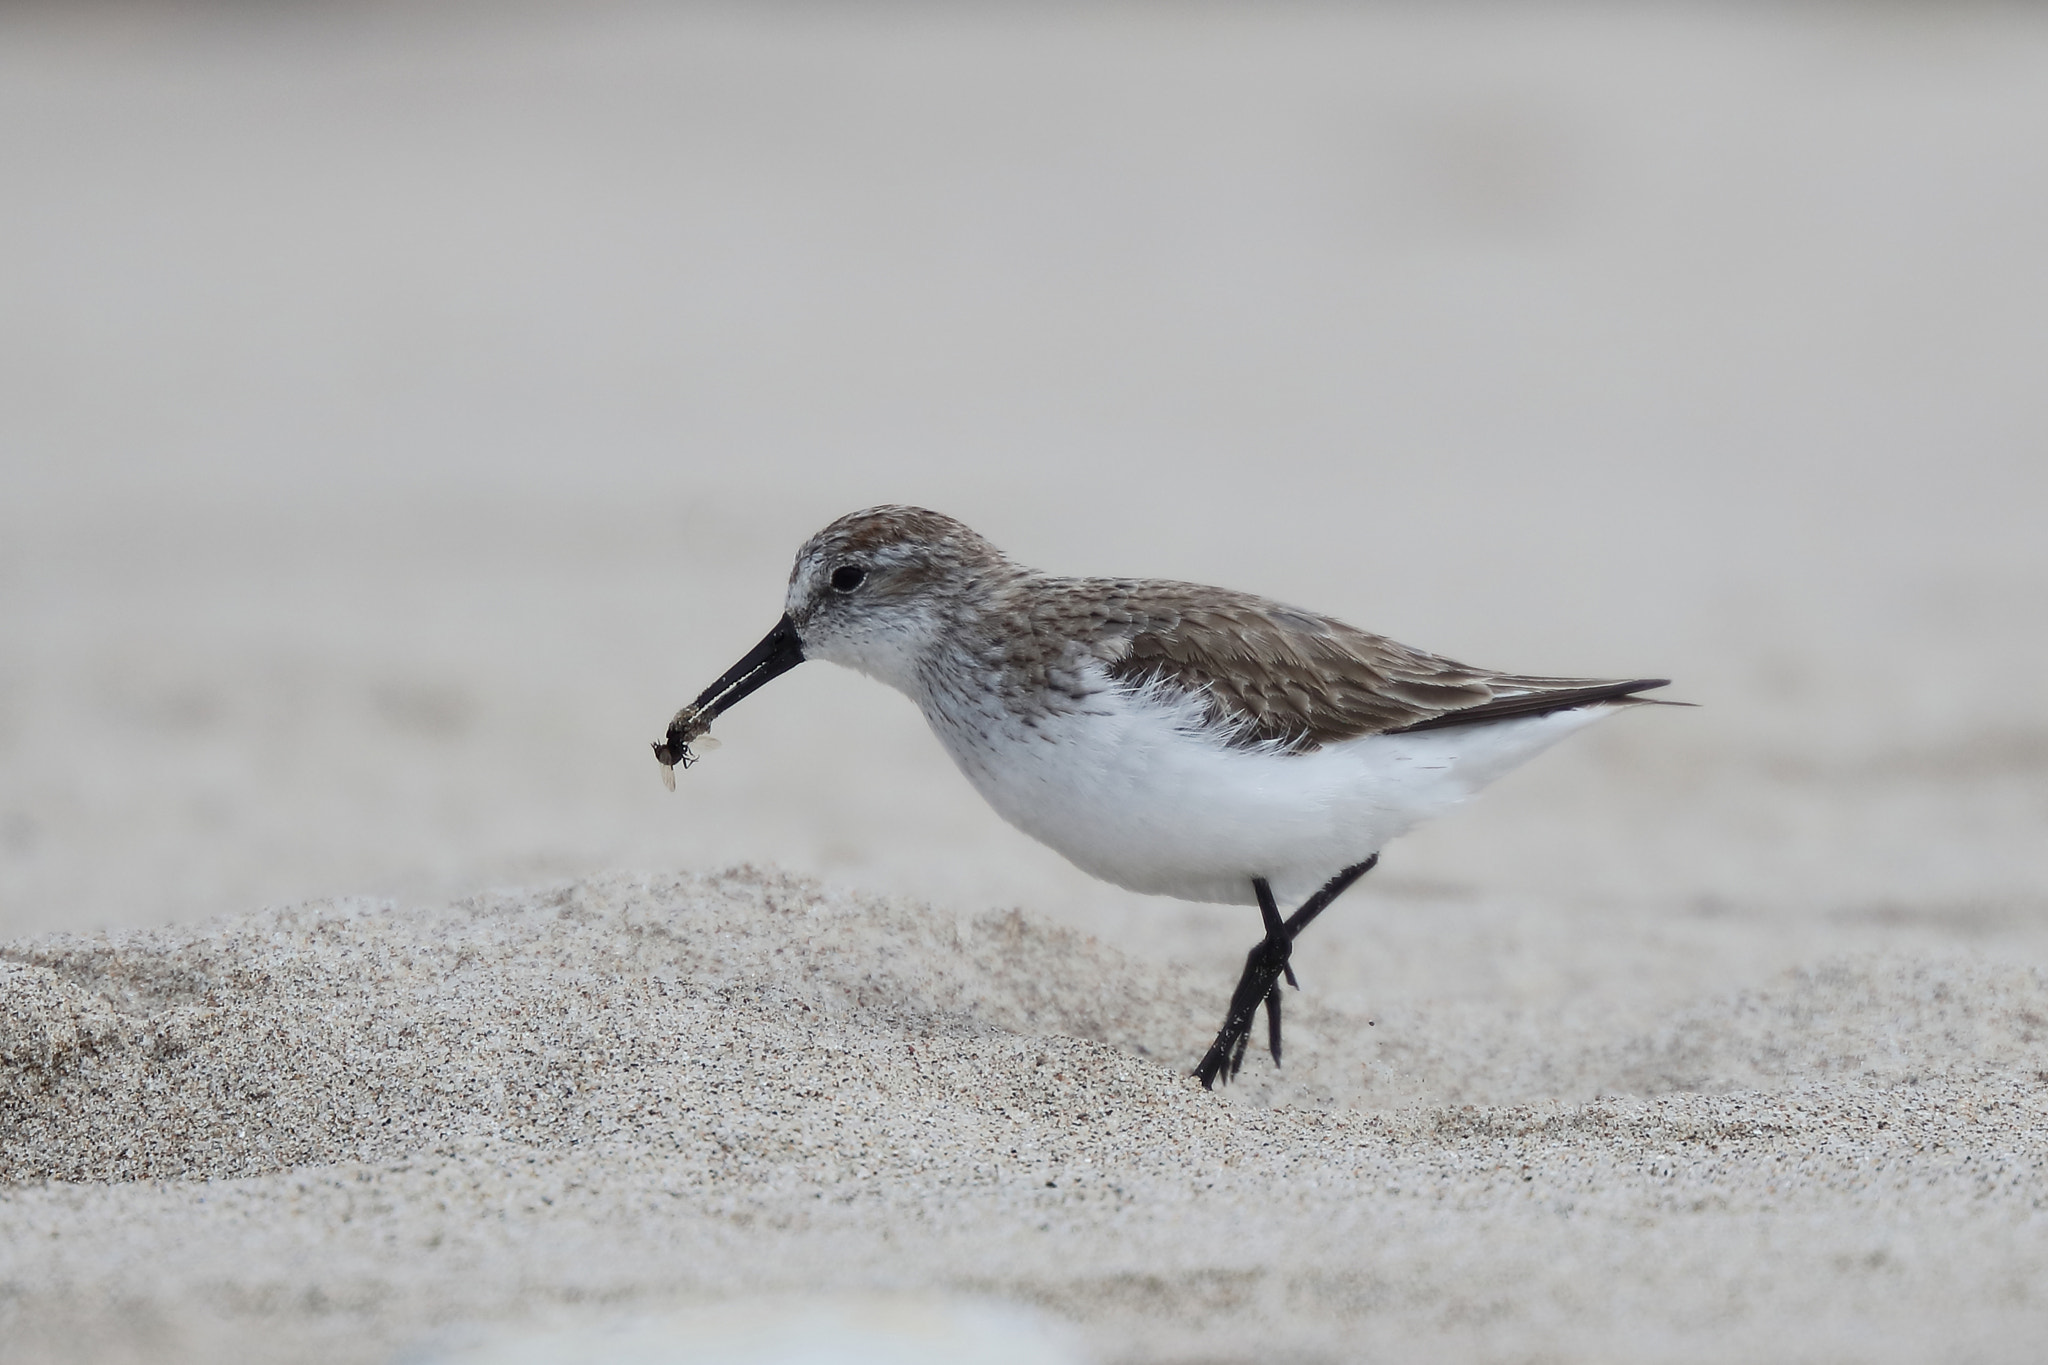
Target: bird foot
1264,966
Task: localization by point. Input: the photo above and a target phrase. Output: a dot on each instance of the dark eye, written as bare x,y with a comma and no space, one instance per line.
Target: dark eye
847,577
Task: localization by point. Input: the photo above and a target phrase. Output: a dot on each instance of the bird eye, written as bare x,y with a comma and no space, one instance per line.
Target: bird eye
847,577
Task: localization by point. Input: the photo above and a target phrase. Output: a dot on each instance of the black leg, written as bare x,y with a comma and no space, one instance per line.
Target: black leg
1262,969
1275,930
1264,966
1333,888
1273,1022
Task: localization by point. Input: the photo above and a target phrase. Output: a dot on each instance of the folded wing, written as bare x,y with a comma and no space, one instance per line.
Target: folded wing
1274,674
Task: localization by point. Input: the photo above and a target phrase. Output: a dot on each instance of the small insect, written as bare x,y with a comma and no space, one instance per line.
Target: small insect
689,727
779,652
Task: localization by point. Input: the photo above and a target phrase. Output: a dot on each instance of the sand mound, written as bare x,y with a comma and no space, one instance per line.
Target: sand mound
599,1012
633,1009
639,1092
1868,1019
1887,1020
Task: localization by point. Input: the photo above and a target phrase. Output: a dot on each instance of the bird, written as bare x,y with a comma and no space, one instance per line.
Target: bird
1170,738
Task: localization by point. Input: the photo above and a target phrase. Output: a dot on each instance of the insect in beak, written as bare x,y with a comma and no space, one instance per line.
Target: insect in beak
779,651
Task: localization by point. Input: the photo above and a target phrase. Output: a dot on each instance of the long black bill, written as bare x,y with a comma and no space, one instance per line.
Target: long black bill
778,652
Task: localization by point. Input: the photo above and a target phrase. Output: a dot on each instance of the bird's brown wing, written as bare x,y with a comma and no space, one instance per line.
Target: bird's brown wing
1271,673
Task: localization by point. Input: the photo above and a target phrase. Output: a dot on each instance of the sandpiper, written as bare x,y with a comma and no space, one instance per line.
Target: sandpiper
1170,738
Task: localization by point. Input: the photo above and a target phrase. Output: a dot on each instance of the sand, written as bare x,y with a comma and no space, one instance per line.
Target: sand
343,1130
404,409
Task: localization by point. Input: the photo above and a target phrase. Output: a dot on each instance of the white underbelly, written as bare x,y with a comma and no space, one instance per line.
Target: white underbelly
1127,792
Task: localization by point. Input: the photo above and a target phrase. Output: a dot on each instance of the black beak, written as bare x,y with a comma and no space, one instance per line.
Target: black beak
777,653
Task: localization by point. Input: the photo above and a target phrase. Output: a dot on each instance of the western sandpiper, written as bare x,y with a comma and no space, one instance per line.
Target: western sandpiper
1170,738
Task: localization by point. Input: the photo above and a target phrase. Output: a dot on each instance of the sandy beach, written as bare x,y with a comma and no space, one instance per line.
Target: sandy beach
404,410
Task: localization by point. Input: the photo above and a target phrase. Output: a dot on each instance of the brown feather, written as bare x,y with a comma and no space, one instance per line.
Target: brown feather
1271,673
1267,673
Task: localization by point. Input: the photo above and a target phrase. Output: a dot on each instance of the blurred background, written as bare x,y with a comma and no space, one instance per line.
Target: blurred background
404,408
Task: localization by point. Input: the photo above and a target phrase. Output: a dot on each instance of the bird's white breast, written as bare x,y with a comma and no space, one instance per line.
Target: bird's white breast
1134,788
